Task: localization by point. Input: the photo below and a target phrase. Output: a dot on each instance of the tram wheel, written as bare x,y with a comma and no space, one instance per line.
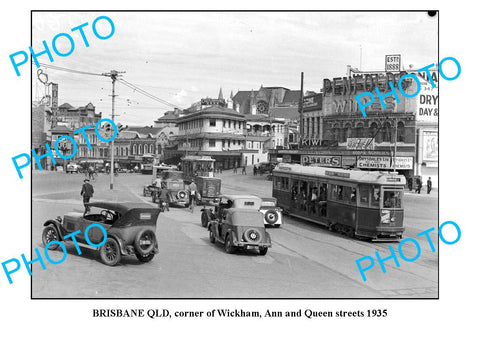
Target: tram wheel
350,232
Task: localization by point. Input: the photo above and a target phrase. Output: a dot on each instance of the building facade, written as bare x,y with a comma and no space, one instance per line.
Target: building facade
213,131
402,137
77,117
266,100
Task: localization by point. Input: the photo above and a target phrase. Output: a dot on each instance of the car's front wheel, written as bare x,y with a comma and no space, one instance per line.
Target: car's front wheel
229,247
145,258
50,234
263,251
205,218
110,252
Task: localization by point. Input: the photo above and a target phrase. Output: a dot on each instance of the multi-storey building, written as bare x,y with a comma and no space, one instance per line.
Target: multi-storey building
214,131
77,117
403,136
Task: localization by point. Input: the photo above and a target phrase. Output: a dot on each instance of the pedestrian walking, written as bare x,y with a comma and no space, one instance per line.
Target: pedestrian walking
254,170
193,195
429,185
235,169
163,198
244,171
410,183
87,192
90,172
419,185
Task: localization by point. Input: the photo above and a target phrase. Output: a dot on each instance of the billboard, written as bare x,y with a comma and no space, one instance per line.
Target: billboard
331,161
360,144
430,146
427,104
427,99
373,162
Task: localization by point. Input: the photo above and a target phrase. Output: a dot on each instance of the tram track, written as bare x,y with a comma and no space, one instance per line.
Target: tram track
373,246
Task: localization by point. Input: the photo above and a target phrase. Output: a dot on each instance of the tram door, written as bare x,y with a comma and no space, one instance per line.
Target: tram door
317,200
299,196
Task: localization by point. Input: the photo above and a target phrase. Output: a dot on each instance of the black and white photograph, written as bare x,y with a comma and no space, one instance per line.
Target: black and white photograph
213,169
241,165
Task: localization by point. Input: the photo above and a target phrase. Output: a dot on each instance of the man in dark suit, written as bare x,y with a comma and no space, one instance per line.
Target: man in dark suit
87,192
429,185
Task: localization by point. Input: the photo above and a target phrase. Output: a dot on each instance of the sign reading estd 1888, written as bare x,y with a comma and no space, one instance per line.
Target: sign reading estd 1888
392,63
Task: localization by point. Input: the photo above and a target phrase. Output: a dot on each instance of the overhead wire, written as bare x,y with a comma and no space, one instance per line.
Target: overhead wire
124,82
58,68
145,93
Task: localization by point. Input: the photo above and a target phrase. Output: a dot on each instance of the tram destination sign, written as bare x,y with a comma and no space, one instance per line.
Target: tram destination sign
337,174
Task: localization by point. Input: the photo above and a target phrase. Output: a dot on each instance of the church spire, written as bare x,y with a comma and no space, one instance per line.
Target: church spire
220,94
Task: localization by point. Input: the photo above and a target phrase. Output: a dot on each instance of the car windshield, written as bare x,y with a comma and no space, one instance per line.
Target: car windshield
172,175
102,215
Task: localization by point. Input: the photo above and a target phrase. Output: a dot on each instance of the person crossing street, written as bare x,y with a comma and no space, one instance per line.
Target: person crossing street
193,195
87,192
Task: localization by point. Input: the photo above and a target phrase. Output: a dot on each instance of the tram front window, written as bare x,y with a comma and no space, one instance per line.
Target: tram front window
392,199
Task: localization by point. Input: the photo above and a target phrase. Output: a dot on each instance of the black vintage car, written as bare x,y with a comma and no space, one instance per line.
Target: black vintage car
173,181
240,228
130,229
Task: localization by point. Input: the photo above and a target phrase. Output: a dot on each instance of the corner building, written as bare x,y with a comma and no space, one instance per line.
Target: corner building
336,134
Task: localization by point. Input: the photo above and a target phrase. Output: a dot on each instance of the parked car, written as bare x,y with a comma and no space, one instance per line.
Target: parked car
130,230
272,214
239,228
72,168
266,167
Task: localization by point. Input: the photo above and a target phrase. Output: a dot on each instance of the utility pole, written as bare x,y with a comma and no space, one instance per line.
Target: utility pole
395,147
113,75
301,110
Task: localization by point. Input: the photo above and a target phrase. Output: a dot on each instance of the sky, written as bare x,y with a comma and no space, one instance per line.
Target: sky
183,57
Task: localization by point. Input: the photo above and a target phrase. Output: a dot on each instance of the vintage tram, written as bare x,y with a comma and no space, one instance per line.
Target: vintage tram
199,169
363,204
